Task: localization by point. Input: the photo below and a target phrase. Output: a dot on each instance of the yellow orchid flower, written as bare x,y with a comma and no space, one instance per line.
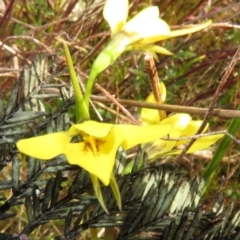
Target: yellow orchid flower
140,32
143,29
183,126
91,145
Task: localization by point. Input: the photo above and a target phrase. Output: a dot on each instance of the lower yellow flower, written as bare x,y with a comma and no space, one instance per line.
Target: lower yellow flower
92,145
183,126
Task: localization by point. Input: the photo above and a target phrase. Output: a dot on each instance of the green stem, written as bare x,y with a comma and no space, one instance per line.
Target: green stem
105,58
82,111
220,152
89,86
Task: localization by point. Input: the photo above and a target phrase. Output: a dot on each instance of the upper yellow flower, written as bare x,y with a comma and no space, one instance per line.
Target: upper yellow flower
143,29
183,126
91,145
138,33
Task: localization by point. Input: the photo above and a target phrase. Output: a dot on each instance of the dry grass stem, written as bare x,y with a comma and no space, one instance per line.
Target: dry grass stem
171,108
109,96
215,98
154,81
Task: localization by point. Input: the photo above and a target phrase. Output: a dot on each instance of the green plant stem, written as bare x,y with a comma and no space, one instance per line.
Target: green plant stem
89,86
105,58
82,111
220,152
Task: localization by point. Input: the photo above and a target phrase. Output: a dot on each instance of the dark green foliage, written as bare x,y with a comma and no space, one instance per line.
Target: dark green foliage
13,99
1,107
159,202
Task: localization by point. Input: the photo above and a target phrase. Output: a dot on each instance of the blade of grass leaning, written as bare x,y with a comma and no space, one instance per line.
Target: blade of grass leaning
81,108
98,191
220,152
116,192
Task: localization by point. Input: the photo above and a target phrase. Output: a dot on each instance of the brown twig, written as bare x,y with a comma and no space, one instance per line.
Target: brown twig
31,38
154,81
109,96
196,136
123,117
225,25
171,108
212,105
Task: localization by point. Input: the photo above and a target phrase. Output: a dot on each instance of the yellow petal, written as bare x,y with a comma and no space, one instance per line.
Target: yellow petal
159,147
100,164
204,142
191,130
199,144
157,49
161,35
146,24
46,146
148,48
194,28
115,12
151,116
134,135
179,121
116,192
98,191
95,129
